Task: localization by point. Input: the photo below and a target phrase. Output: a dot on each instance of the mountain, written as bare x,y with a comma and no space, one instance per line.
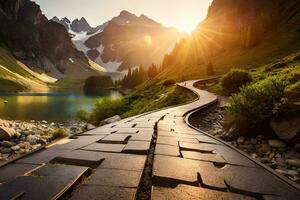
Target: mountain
238,33
125,41
29,39
75,26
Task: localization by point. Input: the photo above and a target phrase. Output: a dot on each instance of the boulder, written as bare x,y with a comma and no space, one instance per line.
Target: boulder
90,126
7,144
293,162
15,148
5,150
288,129
111,119
276,144
32,139
7,133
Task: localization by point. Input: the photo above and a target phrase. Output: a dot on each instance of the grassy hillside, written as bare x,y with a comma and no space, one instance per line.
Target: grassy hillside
233,35
151,95
13,78
268,51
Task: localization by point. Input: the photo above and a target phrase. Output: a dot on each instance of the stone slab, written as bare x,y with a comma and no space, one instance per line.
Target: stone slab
233,157
174,168
43,156
203,156
116,138
64,173
49,183
99,192
179,170
137,147
81,158
142,137
115,178
105,147
168,150
80,142
11,171
206,139
184,192
123,161
200,147
125,125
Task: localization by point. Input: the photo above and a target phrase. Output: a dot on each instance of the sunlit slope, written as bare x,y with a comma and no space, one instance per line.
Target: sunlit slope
237,33
14,77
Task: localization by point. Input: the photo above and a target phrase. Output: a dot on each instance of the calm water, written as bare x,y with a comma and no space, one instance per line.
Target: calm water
50,106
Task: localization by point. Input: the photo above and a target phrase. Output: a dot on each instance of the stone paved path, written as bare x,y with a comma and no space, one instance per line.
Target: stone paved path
108,163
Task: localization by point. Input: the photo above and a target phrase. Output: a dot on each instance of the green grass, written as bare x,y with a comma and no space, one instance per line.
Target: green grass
273,94
7,86
268,51
289,72
8,61
147,97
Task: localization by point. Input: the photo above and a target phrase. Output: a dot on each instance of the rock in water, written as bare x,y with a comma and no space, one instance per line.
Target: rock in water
6,133
287,130
276,144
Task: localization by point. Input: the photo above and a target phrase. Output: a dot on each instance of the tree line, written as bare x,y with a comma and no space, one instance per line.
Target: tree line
136,76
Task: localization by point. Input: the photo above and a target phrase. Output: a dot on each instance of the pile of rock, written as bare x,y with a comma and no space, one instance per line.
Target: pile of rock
276,153
18,138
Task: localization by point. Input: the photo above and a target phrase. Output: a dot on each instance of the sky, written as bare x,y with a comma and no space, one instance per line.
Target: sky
184,15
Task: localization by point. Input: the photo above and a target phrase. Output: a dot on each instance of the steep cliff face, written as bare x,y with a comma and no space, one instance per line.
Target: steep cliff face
268,27
132,41
245,23
41,44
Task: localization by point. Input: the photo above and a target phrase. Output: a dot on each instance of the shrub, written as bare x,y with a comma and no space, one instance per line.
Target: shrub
168,83
276,66
256,104
106,108
293,91
297,57
59,133
82,115
235,79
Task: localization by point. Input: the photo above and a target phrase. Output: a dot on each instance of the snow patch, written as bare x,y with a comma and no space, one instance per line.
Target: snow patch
71,60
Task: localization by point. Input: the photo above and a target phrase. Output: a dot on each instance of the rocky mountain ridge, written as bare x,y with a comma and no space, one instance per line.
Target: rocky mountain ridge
42,45
123,42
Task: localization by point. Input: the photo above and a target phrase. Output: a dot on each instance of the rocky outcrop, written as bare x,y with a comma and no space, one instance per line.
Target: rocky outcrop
34,40
80,25
75,26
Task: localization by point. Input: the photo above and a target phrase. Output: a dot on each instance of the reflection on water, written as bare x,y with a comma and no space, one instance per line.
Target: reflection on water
49,106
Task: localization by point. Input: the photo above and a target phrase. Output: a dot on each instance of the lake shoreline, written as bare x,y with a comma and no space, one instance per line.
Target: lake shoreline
19,138
55,106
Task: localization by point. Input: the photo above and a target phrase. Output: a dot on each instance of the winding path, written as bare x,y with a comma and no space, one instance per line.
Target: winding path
157,155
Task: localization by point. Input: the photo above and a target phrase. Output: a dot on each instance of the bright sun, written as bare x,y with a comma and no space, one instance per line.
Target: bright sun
187,25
